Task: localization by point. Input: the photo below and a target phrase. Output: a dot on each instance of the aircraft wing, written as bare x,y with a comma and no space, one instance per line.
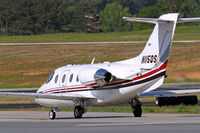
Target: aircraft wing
46,96
169,92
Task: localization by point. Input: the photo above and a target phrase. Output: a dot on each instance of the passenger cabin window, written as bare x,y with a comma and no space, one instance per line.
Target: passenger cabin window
56,79
71,77
63,78
77,79
50,77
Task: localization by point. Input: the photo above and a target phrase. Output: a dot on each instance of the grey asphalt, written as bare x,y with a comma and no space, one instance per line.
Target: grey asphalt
37,122
72,43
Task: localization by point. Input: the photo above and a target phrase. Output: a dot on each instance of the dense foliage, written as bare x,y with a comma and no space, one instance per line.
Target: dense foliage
27,17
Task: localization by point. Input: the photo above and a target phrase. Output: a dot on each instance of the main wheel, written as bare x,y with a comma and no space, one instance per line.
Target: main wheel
52,114
137,111
78,112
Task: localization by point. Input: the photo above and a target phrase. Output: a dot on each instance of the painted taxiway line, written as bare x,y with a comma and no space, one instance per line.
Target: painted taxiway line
82,43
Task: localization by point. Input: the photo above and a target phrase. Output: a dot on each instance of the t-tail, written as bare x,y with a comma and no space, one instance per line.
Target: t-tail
156,51
155,54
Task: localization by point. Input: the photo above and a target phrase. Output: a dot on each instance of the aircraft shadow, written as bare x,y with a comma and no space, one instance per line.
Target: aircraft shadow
96,117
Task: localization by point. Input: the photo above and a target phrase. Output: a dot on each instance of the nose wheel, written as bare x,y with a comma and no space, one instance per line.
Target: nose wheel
78,112
52,114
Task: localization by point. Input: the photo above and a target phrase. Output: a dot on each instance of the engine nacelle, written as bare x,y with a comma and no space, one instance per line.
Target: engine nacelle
93,74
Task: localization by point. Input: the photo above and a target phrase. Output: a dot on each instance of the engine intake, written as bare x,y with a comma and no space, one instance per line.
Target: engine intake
102,77
98,75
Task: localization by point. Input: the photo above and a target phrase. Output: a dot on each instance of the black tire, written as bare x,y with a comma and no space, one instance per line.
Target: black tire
137,110
52,114
78,112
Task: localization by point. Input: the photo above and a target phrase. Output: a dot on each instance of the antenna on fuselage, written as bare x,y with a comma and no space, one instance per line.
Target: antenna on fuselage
93,60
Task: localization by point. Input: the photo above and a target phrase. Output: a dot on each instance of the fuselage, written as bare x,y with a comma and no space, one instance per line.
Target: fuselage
131,81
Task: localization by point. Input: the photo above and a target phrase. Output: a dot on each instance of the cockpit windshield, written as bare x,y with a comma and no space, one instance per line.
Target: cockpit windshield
50,77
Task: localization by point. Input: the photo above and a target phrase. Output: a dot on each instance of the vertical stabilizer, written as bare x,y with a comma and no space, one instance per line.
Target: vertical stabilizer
158,46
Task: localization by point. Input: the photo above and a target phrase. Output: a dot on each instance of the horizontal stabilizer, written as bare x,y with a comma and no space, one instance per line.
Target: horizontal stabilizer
144,20
155,20
185,20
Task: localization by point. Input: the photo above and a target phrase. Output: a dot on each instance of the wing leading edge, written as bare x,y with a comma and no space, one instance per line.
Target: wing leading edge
46,96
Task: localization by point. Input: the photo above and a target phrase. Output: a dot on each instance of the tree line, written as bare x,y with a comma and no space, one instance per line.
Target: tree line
29,17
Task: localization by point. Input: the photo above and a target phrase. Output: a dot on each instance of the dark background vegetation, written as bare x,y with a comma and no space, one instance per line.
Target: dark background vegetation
29,17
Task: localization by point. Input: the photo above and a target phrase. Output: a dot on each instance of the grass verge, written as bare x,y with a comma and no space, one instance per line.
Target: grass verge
18,86
124,109
182,33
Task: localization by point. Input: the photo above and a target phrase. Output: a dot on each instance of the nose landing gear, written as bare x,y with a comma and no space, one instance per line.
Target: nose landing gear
52,114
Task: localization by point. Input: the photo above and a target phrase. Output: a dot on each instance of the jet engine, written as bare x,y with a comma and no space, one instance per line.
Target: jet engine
96,75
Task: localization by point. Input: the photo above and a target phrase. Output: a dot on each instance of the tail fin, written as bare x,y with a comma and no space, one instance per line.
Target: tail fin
158,46
156,51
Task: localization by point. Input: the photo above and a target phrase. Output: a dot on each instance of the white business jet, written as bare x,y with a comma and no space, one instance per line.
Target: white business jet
111,83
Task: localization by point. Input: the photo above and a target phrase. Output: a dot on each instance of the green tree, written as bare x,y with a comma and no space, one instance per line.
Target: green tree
78,16
111,18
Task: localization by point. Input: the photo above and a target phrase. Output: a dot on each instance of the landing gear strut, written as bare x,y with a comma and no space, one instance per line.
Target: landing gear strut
78,112
136,107
52,114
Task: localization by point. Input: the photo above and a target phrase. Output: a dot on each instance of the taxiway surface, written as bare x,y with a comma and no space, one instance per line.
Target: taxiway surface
38,122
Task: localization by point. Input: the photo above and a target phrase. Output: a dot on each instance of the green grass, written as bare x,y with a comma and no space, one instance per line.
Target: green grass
30,66
182,109
182,33
173,109
182,81
187,29
75,37
18,86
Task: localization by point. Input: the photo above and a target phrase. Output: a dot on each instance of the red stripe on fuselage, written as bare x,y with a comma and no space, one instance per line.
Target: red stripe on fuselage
66,89
163,66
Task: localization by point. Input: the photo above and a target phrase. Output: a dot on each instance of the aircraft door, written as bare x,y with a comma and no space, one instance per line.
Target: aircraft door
63,79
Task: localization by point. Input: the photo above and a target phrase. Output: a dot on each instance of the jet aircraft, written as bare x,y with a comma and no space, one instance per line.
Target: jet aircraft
111,83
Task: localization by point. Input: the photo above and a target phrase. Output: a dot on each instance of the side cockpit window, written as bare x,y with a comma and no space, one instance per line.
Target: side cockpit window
50,77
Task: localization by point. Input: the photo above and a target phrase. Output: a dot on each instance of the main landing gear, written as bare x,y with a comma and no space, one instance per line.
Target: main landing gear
78,112
136,107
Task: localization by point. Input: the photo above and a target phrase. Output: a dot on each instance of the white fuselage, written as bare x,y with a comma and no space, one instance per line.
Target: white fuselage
132,82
